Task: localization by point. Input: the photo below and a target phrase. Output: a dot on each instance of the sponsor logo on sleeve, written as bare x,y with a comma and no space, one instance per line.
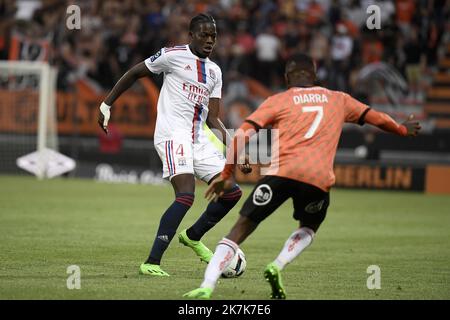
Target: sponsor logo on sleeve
155,56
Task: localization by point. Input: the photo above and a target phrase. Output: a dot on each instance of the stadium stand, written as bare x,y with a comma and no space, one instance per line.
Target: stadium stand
255,39
438,98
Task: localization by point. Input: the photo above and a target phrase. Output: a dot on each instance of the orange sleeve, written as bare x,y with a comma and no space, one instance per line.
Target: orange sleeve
354,109
265,114
245,131
385,122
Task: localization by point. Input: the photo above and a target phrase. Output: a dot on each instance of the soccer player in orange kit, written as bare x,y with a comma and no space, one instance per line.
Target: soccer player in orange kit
309,120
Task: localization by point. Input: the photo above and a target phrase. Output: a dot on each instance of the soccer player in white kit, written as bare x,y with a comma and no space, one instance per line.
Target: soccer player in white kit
189,97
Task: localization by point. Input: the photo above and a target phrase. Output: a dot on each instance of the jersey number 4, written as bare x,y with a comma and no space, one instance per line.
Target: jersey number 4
180,150
319,110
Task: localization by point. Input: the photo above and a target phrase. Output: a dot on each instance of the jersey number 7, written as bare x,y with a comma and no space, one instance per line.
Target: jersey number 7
317,119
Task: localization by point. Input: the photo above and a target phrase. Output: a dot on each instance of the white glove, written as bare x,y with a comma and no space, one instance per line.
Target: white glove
104,109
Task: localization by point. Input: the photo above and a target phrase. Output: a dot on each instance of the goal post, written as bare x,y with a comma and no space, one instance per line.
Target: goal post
28,119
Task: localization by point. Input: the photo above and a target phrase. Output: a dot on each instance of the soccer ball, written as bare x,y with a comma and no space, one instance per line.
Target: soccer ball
236,267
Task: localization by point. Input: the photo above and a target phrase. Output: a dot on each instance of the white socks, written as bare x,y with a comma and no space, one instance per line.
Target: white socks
297,242
225,251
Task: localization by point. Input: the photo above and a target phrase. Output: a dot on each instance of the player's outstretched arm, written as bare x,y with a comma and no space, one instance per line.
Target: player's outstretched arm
224,181
127,80
383,121
213,121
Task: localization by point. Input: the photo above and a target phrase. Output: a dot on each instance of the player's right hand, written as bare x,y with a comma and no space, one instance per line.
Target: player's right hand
217,188
412,126
103,117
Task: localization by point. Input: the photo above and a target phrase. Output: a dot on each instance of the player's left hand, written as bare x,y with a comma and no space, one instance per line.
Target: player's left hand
412,126
245,167
217,188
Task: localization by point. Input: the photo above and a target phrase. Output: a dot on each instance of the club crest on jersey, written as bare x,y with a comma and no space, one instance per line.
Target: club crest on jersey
155,56
212,74
315,207
262,195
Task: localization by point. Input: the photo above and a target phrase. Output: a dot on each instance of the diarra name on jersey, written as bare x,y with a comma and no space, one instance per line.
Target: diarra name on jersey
310,98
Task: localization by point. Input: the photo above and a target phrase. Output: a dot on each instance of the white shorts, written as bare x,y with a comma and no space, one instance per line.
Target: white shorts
179,156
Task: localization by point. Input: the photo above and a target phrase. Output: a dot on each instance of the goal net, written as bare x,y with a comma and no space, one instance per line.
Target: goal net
27,116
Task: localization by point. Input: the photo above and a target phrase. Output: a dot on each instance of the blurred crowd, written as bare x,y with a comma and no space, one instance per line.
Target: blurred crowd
255,37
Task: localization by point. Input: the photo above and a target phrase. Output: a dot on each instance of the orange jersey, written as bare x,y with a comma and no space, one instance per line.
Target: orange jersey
309,123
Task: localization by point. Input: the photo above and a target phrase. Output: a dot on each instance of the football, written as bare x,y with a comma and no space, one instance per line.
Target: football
236,267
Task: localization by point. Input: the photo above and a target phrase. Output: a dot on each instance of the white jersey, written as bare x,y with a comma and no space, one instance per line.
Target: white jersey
189,82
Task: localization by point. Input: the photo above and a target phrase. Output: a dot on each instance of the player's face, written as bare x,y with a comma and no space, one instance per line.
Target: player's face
203,39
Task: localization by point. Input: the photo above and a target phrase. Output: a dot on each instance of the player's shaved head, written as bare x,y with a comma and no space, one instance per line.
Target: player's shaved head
199,19
300,71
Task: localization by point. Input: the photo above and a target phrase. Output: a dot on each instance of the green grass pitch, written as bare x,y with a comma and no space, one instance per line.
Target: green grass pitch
107,230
